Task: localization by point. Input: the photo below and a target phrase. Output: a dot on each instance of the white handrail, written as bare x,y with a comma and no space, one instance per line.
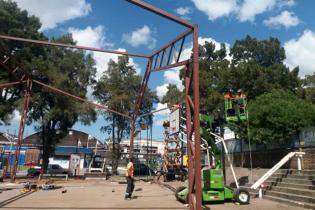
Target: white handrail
276,167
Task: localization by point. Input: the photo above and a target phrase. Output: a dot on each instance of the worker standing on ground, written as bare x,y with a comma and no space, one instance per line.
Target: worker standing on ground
130,179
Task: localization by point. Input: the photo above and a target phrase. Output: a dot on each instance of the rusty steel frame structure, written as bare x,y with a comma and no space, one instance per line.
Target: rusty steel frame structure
166,57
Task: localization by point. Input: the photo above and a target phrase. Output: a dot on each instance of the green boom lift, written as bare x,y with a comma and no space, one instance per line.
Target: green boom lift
213,188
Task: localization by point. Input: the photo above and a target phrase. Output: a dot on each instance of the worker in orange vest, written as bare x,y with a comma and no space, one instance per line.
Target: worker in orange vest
130,179
229,95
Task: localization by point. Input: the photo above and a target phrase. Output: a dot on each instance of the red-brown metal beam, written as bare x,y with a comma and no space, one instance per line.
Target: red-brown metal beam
182,63
27,95
196,123
155,111
73,46
173,41
10,84
190,148
81,99
9,71
162,13
143,88
180,49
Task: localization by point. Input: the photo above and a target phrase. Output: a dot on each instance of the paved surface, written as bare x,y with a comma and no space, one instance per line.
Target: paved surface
109,195
96,195
255,204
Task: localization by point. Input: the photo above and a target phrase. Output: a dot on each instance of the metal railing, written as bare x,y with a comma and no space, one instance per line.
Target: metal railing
277,166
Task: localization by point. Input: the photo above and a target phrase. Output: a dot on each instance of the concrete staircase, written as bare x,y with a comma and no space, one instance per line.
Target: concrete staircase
292,187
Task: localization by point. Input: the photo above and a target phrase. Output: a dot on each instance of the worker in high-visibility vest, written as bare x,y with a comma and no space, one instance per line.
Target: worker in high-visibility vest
130,179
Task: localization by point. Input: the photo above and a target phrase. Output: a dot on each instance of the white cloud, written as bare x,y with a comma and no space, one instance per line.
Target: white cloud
96,37
165,112
216,8
92,37
300,52
161,90
244,10
16,116
160,117
54,12
172,77
251,8
286,19
184,12
140,36
287,3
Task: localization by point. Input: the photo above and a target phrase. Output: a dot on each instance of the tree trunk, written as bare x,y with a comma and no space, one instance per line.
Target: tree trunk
45,157
114,162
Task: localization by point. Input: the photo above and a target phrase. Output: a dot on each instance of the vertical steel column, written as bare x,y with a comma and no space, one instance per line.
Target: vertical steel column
143,88
132,130
190,148
193,129
196,119
27,94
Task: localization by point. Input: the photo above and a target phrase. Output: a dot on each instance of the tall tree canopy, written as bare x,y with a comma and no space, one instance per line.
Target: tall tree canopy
118,88
70,70
256,67
264,53
15,22
278,116
173,96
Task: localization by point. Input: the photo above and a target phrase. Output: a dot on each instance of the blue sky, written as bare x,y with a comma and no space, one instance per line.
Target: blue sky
117,24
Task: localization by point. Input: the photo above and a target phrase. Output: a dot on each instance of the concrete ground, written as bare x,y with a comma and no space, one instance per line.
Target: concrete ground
94,194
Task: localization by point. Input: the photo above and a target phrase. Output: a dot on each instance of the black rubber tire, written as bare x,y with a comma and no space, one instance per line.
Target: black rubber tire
241,196
178,189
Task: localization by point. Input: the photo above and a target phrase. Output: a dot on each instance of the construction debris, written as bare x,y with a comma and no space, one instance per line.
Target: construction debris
29,187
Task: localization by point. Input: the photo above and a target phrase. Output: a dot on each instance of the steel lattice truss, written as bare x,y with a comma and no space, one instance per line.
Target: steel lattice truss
168,56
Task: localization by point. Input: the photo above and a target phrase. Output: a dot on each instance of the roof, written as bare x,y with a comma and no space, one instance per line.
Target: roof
74,138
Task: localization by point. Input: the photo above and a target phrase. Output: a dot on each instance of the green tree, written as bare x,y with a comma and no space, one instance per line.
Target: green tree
257,67
15,22
118,89
265,52
307,89
173,96
69,70
214,69
278,116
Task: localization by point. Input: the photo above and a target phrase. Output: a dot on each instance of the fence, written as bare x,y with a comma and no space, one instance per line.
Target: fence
267,155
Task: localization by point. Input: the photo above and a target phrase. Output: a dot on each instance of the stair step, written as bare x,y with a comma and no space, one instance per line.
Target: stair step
302,176
290,202
303,192
300,186
295,171
293,197
299,181
291,180
294,176
291,185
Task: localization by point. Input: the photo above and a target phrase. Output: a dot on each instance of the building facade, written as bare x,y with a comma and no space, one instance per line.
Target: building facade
75,142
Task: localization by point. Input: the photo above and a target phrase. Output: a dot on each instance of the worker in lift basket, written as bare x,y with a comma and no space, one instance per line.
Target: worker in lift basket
130,179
